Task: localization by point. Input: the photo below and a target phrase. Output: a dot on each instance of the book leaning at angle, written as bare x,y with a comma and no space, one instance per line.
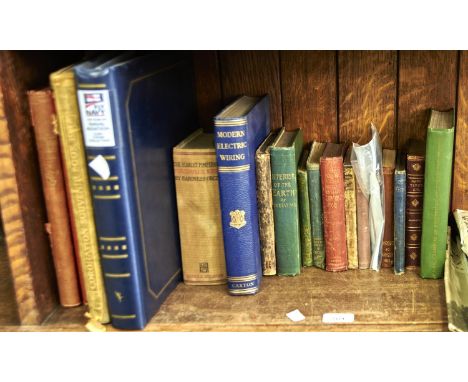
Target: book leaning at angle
437,183
134,110
68,119
41,105
285,153
240,128
197,190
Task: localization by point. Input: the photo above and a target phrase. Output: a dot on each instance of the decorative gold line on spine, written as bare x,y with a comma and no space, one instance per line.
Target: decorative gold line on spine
234,168
117,238
251,278
117,275
106,157
124,317
243,291
97,178
90,86
114,257
107,197
241,278
235,122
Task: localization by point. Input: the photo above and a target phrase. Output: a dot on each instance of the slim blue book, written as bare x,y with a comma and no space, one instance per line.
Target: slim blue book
134,109
239,129
399,213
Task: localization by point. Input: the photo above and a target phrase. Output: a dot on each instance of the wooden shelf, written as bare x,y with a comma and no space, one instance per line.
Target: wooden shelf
380,302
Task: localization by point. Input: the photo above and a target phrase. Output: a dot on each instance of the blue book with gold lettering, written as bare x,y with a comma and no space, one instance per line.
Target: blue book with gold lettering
134,109
240,128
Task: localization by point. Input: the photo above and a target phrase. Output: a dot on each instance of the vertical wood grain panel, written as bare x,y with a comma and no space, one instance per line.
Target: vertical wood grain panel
308,83
208,87
252,73
460,171
427,80
367,93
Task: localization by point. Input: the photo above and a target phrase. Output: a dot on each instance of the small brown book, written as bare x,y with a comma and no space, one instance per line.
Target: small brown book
48,148
350,209
333,200
415,160
266,223
388,251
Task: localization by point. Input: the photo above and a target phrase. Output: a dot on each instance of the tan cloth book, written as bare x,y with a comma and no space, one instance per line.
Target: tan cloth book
198,207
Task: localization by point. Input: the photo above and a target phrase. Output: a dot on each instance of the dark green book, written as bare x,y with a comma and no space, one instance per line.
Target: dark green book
437,183
285,152
304,210
315,203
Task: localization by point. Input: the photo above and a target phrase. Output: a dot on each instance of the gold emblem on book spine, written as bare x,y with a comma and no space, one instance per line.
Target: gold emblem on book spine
237,219
416,167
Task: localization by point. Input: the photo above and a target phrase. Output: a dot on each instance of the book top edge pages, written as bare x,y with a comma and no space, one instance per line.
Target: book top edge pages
316,152
334,150
239,108
265,146
198,140
389,158
286,138
441,119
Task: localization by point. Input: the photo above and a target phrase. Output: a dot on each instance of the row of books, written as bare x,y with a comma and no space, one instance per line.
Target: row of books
104,132
301,205
126,180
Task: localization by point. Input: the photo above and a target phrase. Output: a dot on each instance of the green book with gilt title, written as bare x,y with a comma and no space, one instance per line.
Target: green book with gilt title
285,152
437,183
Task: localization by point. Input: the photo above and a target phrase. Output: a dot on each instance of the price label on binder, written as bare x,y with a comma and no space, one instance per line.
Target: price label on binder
337,318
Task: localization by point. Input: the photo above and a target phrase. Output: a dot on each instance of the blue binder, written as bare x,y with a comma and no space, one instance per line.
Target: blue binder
134,109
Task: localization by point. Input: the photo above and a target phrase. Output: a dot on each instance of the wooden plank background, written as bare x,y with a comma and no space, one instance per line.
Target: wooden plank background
334,96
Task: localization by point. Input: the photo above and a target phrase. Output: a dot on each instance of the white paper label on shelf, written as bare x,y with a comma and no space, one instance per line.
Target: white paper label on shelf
100,165
96,118
295,315
337,318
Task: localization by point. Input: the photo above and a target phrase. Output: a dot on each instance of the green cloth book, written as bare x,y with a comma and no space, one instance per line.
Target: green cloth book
304,210
437,183
315,203
285,152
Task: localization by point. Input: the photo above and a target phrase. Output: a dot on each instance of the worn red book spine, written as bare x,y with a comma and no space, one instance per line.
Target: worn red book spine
333,200
58,226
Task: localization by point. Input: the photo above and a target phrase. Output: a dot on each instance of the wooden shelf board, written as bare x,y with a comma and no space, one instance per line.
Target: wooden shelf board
380,301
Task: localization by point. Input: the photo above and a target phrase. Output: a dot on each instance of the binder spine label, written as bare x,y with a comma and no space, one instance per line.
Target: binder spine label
96,118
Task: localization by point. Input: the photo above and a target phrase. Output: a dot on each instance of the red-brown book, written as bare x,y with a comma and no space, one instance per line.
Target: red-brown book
333,201
414,202
388,238
48,148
